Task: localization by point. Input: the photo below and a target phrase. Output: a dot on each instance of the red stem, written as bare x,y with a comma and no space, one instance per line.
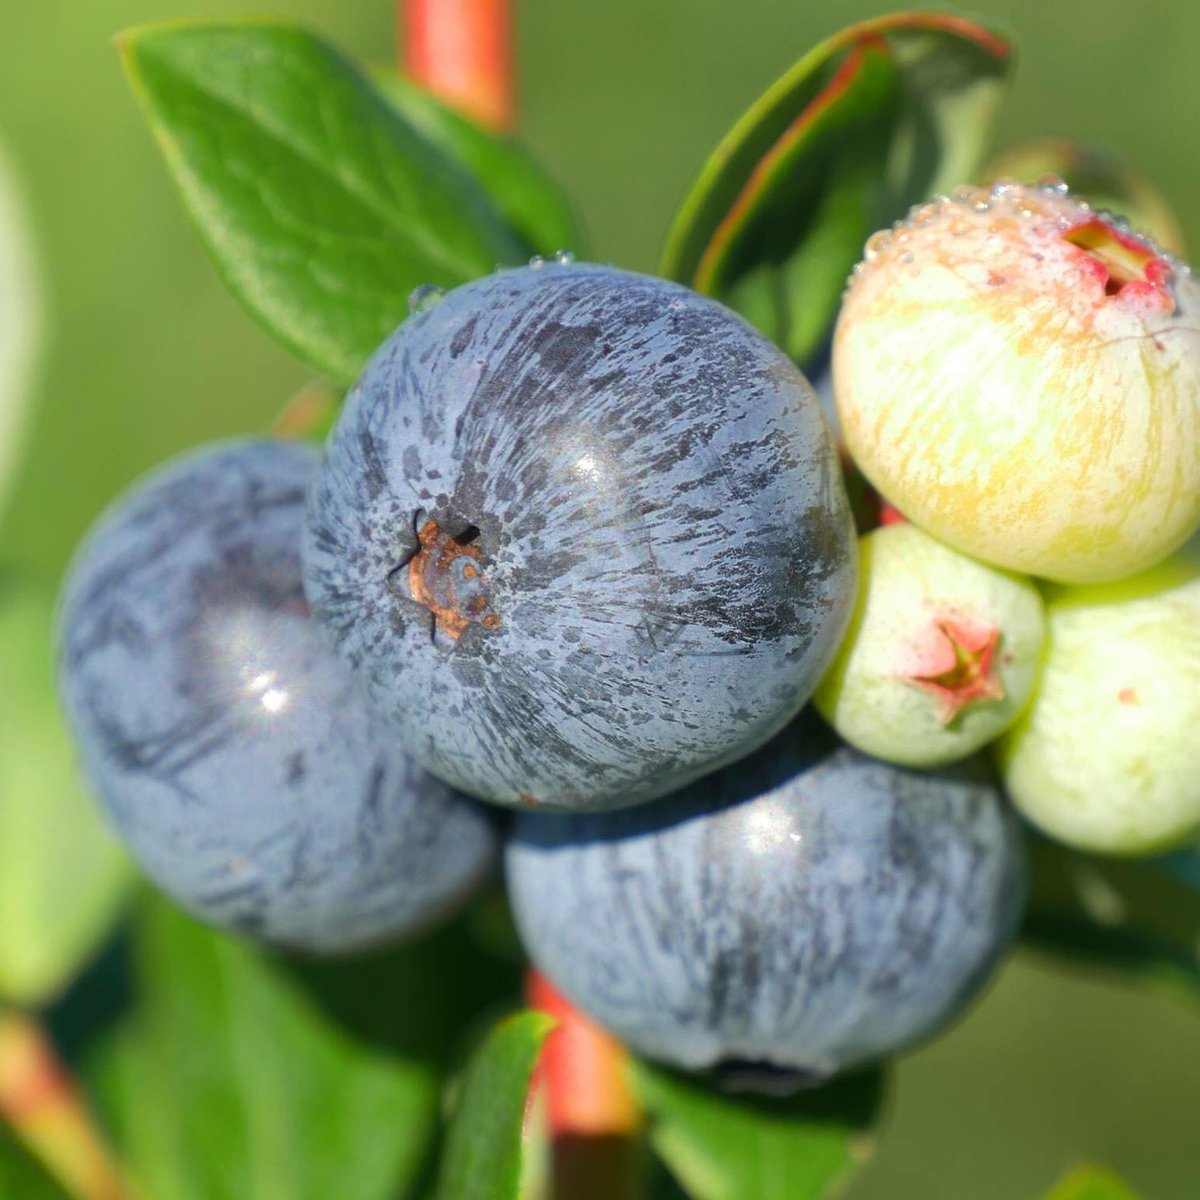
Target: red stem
43,1105
592,1118
461,51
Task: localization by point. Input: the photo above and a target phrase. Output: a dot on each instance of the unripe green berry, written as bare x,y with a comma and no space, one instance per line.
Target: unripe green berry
941,653
1107,756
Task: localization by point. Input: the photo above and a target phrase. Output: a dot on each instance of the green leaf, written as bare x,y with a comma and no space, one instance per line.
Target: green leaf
532,202
1090,1183
62,875
738,1147
235,1077
875,119
482,1159
22,1177
321,204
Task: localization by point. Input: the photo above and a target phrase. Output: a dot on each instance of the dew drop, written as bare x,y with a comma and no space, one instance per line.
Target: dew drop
563,258
1118,222
424,297
877,243
537,262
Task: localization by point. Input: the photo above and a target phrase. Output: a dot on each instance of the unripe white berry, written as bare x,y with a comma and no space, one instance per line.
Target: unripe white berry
1020,376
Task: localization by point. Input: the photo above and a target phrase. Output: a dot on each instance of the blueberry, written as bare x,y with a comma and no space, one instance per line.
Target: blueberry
584,533
231,748
808,910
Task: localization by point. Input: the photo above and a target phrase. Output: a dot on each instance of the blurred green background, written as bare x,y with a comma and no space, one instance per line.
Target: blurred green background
146,355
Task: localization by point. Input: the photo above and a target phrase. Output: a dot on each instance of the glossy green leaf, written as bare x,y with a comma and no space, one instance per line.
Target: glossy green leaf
22,1177
62,874
534,205
321,204
789,286
877,118
237,1075
1090,1183
741,1147
20,321
482,1158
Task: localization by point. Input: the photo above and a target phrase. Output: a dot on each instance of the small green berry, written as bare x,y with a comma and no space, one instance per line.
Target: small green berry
1107,756
941,654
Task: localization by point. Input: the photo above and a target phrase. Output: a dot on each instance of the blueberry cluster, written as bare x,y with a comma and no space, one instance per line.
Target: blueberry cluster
578,546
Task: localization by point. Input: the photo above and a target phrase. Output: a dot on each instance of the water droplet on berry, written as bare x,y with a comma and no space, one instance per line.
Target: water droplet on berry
877,243
563,258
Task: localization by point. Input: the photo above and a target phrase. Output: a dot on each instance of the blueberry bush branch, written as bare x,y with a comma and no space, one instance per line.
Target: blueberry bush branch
584,1096
461,51
47,1111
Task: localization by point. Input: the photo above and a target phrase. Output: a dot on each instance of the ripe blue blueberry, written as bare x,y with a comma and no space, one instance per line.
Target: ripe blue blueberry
231,748
584,534
807,910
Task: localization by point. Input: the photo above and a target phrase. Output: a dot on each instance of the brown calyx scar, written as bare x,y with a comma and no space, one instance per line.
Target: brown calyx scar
446,575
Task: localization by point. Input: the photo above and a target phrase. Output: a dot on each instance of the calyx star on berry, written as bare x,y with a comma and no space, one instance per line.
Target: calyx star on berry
963,671
941,655
445,574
